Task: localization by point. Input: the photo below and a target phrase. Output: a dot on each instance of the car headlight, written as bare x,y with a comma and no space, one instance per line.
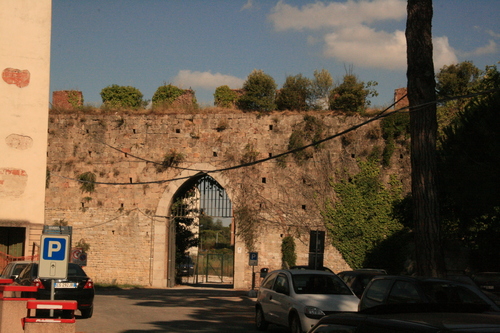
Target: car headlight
313,312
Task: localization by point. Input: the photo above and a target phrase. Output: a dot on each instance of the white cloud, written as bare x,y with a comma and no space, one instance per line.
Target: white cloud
363,46
348,34
444,54
205,80
492,47
336,14
248,5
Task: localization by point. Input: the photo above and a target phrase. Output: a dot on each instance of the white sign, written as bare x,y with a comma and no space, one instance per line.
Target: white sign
54,256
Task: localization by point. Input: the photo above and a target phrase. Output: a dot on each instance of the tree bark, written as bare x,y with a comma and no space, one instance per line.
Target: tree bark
423,129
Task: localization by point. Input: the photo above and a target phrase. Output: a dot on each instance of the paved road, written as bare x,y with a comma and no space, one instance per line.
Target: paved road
181,309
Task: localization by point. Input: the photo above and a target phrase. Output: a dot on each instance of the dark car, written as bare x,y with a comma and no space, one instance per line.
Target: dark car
411,318
322,268
77,286
186,267
13,268
358,279
488,281
391,289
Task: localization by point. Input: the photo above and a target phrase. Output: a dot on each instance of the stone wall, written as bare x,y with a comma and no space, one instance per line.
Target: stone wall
124,221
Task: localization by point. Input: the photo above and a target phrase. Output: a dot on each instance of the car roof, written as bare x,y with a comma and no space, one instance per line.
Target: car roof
302,271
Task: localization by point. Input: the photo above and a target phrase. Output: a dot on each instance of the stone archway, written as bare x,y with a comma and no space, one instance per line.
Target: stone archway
163,267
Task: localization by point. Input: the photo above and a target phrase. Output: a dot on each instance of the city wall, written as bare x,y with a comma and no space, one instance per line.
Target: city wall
124,220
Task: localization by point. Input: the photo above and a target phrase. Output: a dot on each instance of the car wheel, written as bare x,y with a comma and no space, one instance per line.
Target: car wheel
87,313
295,326
260,321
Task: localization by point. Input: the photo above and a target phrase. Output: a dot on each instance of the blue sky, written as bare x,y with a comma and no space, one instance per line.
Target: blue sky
203,44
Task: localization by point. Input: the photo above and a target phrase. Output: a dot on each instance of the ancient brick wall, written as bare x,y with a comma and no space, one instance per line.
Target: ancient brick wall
123,219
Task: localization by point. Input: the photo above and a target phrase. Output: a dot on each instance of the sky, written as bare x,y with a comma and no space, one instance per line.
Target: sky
203,44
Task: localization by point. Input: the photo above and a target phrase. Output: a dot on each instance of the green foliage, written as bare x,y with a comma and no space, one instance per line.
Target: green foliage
451,81
393,127
165,95
288,255
468,164
309,131
362,216
250,155
320,90
259,93
87,180
351,96
213,235
295,93
171,159
244,217
224,97
116,96
83,245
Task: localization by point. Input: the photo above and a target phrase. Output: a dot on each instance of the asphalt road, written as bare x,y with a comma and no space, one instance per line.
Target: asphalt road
180,309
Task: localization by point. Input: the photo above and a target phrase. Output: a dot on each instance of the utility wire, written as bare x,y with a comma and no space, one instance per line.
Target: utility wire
381,115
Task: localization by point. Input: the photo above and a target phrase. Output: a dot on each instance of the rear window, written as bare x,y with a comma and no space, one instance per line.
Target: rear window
319,284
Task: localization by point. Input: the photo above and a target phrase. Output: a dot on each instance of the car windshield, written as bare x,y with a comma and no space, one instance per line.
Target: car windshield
319,284
447,293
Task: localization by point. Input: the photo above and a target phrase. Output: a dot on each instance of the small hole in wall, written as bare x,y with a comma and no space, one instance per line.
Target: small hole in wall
264,180
126,155
215,154
304,207
113,232
90,153
177,130
270,127
353,155
83,205
281,235
133,130
121,205
87,131
131,180
270,154
400,155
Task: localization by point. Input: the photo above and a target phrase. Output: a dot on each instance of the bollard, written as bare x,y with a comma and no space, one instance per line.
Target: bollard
13,307
65,324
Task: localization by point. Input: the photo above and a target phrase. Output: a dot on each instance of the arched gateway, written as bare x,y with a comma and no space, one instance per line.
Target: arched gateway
208,195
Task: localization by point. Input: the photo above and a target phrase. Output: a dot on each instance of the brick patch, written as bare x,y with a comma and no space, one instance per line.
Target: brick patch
20,78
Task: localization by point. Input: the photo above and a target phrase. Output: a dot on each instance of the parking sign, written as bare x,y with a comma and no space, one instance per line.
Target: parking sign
54,256
253,258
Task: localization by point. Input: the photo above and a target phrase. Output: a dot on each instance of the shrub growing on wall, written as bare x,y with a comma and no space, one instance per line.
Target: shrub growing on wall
288,255
116,96
260,93
225,97
295,94
166,95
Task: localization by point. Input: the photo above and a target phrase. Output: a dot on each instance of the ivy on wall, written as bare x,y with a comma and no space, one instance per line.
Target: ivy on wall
288,255
361,217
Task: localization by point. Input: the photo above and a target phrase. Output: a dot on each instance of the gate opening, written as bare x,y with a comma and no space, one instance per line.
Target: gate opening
203,246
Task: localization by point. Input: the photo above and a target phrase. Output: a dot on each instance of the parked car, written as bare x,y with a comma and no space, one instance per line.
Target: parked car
77,286
298,298
13,268
488,281
414,318
358,279
322,268
389,289
186,267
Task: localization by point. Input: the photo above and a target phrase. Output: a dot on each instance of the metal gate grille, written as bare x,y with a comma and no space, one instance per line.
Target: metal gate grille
202,195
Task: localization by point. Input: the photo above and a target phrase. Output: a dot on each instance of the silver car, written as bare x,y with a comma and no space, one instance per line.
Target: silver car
299,298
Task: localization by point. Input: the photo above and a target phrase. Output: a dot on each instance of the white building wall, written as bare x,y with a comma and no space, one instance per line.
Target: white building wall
25,29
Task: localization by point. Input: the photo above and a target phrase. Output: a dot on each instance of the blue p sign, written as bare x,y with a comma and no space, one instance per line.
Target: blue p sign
54,248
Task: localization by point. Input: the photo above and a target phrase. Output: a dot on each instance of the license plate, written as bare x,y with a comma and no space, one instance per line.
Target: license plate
488,287
65,285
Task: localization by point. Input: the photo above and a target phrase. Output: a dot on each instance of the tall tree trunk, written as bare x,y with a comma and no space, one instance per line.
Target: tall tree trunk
423,129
